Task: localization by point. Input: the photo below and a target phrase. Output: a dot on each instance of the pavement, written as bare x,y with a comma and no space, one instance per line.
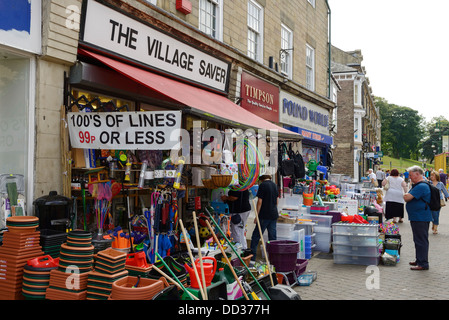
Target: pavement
381,282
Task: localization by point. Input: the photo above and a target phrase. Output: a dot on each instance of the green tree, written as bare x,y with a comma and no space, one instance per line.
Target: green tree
432,140
402,130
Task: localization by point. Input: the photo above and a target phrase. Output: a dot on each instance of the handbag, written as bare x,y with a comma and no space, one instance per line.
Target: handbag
387,185
442,202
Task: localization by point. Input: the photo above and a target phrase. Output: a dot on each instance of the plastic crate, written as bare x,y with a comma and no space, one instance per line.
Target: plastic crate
356,250
320,219
354,240
305,279
357,229
355,259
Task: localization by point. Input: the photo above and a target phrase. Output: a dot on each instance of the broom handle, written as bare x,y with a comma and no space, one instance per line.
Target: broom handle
263,242
179,285
193,261
197,234
227,259
235,251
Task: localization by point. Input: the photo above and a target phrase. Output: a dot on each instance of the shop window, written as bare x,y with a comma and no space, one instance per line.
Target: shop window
255,31
14,93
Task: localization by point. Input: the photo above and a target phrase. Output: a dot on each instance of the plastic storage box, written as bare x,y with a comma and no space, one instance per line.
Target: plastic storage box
346,249
356,229
356,259
354,240
320,219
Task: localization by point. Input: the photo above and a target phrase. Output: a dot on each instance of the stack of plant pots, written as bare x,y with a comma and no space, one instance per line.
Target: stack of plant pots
69,281
137,288
109,267
20,243
36,277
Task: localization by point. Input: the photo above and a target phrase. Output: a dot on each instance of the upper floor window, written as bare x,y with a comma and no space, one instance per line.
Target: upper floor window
286,51
255,31
357,93
310,68
210,18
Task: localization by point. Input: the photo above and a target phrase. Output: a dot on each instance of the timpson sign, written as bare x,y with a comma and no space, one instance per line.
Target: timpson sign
109,30
260,97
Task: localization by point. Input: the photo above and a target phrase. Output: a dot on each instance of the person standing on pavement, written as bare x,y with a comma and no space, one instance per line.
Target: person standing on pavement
239,208
420,216
435,179
394,196
443,177
267,211
380,176
372,177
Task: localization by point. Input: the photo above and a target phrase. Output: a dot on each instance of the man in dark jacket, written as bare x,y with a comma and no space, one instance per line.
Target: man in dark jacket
267,211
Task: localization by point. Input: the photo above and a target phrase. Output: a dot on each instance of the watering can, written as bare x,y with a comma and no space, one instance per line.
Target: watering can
209,271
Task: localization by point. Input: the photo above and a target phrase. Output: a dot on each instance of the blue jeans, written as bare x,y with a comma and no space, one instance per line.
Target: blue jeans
436,217
269,225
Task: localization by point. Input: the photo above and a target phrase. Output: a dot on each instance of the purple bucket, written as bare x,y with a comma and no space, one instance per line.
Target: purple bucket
283,254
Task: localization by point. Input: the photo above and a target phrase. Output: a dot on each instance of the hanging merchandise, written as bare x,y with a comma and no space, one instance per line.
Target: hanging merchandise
251,163
177,182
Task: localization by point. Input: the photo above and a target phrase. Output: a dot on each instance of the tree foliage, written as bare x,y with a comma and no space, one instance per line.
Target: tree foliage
402,130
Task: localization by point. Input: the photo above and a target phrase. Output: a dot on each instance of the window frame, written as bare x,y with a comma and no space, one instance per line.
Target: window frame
218,19
258,50
288,53
310,67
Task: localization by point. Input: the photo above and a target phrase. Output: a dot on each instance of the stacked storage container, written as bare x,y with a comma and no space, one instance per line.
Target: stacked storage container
355,243
321,231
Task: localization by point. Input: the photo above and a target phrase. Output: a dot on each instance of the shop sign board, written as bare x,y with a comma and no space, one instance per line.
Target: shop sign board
297,112
20,24
119,34
260,97
150,130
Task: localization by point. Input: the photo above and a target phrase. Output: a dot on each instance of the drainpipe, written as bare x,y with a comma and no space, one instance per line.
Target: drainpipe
329,48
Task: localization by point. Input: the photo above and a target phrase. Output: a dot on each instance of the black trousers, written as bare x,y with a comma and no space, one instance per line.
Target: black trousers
420,230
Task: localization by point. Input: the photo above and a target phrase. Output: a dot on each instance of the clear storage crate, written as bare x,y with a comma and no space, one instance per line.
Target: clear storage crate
320,219
356,229
346,249
354,240
354,259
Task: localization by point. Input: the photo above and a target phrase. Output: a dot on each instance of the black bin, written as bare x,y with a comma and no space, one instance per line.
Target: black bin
54,211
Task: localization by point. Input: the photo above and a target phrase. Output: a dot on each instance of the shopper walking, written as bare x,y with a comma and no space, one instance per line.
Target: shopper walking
420,216
435,179
394,196
372,177
267,211
239,208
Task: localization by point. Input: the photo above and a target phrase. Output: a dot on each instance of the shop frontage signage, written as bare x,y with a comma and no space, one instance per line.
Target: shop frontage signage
260,97
119,34
20,24
124,130
297,112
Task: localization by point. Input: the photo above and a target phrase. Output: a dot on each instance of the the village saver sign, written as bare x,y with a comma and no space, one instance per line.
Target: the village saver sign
124,130
109,29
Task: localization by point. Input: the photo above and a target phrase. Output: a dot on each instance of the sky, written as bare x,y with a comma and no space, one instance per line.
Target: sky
405,49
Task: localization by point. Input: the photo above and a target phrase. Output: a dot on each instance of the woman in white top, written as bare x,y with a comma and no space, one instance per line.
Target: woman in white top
394,197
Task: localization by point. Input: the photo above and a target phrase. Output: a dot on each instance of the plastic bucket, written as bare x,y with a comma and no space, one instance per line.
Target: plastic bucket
282,254
307,199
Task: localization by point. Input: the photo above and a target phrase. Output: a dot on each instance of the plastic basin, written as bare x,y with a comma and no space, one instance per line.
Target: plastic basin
282,254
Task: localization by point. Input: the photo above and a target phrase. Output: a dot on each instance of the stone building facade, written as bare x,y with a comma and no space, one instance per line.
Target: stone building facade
303,51
358,142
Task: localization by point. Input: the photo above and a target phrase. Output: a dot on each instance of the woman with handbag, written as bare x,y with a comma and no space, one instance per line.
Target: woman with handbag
435,179
395,187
